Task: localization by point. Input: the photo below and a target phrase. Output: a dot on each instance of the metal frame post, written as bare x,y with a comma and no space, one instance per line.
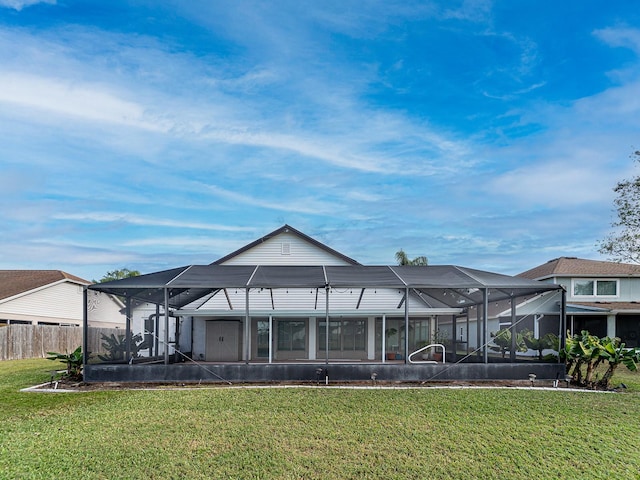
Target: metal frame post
512,349
270,338
85,326
406,325
127,310
326,316
247,326
166,326
485,324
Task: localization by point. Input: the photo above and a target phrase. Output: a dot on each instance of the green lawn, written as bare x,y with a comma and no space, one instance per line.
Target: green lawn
315,433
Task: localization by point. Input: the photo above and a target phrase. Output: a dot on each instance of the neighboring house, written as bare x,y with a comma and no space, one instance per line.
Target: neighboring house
602,297
51,297
287,300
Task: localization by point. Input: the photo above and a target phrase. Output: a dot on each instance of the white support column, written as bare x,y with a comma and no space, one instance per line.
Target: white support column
611,325
384,338
312,338
371,338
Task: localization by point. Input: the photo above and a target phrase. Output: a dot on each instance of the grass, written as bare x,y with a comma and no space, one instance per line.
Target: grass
314,433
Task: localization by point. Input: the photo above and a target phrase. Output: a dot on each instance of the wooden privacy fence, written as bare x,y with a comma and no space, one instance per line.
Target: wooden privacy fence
34,341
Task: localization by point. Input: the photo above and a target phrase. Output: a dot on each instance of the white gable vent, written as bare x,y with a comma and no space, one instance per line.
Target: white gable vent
286,248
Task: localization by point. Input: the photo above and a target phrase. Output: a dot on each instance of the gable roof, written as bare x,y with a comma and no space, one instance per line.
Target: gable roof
15,282
286,229
573,266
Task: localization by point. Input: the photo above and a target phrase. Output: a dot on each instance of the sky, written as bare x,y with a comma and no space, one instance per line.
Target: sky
154,134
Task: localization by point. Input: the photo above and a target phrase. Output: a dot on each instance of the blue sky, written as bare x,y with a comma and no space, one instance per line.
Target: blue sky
154,134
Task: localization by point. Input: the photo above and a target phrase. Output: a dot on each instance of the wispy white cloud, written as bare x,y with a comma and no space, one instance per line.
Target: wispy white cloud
20,4
87,102
108,217
620,37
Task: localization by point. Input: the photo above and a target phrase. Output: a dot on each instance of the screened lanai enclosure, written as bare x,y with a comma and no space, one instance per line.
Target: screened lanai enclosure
252,323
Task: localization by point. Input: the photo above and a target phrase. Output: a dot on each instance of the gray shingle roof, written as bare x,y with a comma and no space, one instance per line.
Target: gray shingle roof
574,266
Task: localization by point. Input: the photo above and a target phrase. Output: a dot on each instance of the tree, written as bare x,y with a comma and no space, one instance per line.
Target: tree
624,243
402,259
118,275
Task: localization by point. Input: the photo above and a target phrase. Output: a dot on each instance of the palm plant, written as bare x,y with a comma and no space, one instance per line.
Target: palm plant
403,259
615,353
116,347
502,342
545,342
72,360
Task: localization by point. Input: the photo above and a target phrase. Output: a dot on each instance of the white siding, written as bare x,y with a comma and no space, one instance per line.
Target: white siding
307,300
62,301
104,311
274,252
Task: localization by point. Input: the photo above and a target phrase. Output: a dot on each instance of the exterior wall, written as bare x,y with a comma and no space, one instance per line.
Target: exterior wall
274,252
378,300
59,303
628,288
105,311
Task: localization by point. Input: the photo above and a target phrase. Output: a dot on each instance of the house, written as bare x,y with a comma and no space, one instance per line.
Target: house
50,297
286,305
602,297
43,310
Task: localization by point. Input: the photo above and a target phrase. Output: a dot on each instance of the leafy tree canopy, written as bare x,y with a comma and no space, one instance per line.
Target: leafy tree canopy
623,244
118,275
402,259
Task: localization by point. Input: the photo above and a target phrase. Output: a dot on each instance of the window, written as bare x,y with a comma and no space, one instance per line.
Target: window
292,335
263,338
595,288
344,335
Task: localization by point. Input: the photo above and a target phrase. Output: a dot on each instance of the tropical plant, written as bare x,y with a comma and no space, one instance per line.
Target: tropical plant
590,351
73,362
546,342
615,353
502,342
116,347
403,259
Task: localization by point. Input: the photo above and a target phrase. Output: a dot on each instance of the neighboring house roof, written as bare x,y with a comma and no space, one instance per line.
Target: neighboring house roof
580,267
16,282
609,306
286,229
